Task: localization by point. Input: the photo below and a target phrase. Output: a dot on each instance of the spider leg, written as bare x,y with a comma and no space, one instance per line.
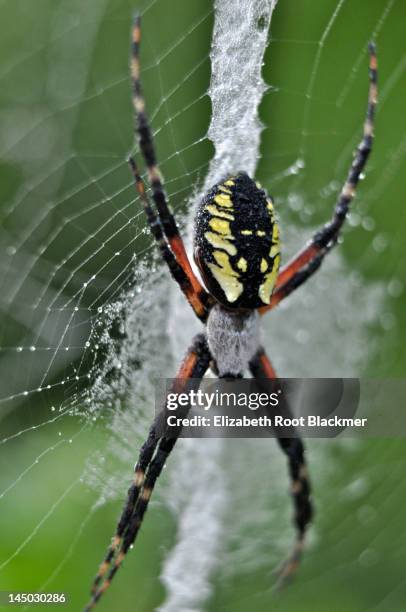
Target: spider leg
261,368
166,218
307,261
151,460
175,268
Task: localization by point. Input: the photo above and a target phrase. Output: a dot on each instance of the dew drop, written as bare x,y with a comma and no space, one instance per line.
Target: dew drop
395,288
368,223
380,243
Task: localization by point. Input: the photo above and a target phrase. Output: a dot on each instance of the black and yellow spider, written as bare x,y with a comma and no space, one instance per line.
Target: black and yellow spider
237,250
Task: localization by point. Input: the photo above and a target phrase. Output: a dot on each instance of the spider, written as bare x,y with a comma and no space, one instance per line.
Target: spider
237,250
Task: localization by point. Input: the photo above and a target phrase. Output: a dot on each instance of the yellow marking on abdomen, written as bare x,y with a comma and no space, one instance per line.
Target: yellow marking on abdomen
221,242
275,233
220,226
242,264
231,286
224,189
246,232
226,277
261,233
224,261
222,199
230,183
265,290
275,249
218,213
264,265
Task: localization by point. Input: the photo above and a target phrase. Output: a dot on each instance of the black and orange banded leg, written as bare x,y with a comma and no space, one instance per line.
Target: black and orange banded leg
151,460
176,270
261,368
166,219
307,261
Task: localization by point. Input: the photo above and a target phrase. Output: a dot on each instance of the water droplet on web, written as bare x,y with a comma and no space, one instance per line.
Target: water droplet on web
368,223
354,219
357,488
395,288
296,167
380,243
295,202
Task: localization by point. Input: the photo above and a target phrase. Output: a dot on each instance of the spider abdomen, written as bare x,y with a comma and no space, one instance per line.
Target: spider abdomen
236,243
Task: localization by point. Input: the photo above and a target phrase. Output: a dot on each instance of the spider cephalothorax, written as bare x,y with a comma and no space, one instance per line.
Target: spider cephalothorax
236,243
237,251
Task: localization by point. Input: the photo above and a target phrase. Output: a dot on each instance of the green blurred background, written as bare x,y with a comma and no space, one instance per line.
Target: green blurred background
66,128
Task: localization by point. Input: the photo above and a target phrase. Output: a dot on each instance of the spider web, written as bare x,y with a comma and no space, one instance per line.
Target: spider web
90,319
